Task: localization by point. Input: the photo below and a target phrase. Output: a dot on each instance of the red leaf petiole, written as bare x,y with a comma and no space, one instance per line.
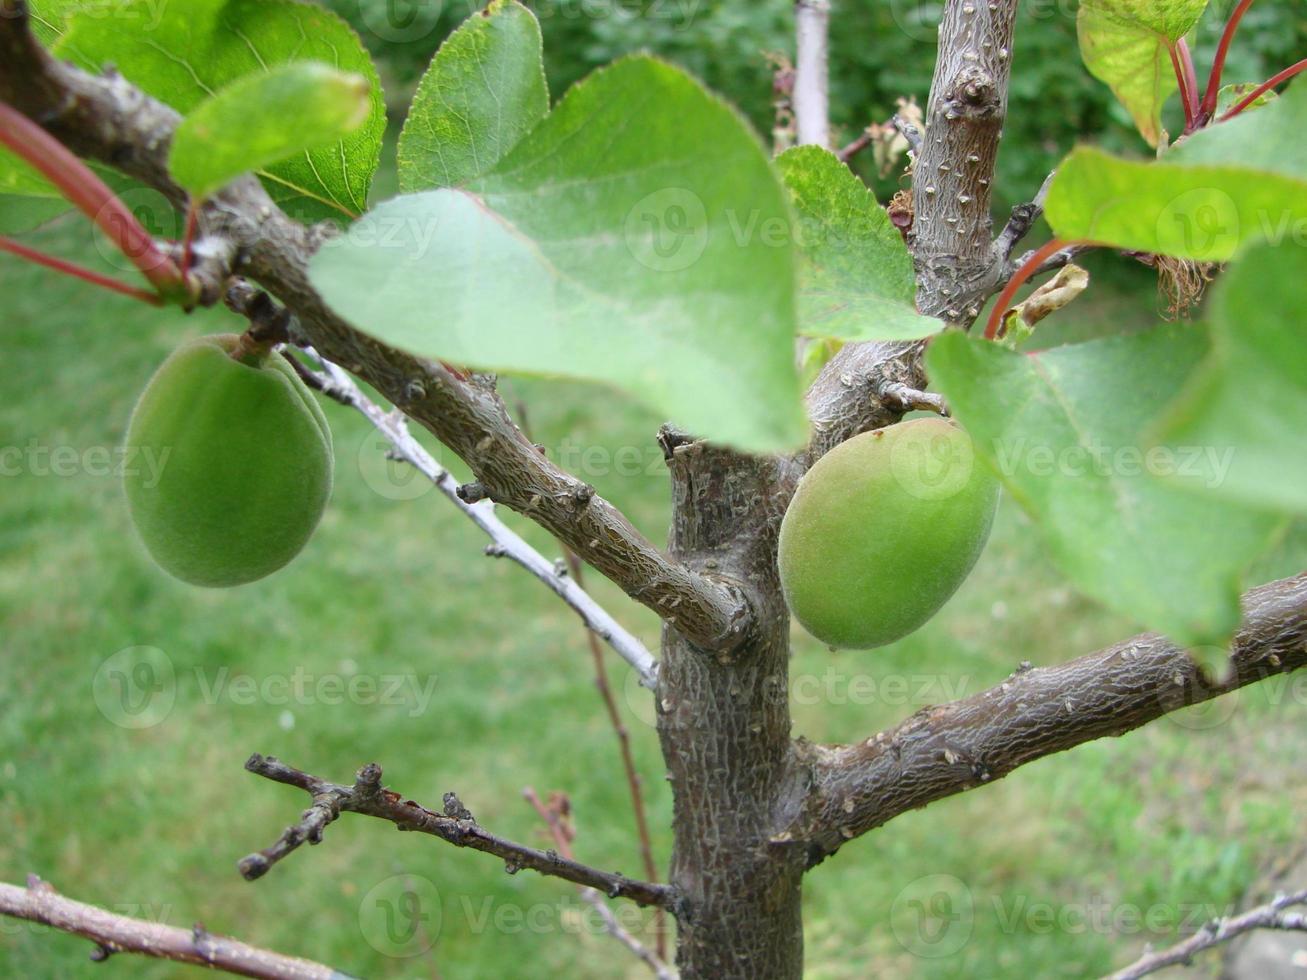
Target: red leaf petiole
84,189
69,268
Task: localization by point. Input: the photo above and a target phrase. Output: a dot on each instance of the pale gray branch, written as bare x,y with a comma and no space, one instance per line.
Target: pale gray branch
811,98
1273,915
506,543
113,933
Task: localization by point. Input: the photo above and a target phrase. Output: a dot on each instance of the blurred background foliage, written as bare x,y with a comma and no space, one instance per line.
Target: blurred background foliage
880,50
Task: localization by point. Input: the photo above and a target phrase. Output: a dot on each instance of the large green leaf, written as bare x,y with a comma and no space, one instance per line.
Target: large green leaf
264,118
1062,429
856,280
192,49
484,91
1269,139
1126,43
617,242
1231,183
1204,213
1249,400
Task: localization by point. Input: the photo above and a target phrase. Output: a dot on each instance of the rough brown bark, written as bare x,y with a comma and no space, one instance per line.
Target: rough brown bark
724,724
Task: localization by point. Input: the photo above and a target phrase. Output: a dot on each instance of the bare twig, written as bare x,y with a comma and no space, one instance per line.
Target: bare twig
554,814
1023,218
855,146
455,826
108,119
113,933
635,785
908,130
1036,712
506,543
1272,915
811,79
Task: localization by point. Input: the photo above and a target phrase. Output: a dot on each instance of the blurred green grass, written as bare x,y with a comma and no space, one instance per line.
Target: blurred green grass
150,821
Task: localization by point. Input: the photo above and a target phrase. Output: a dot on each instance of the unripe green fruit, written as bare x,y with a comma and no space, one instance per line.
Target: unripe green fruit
242,464
883,530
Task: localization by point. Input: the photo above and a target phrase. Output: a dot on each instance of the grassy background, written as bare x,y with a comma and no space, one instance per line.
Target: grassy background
1042,871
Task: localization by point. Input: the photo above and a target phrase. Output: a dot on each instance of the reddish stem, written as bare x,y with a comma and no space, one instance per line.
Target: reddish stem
1218,64
1028,269
80,185
1182,80
1190,81
59,265
1263,88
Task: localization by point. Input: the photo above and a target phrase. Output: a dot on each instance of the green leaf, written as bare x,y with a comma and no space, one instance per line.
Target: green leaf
1204,213
19,214
484,91
1231,94
1269,139
183,53
49,18
21,179
1126,43
856,280
1249,399
1062,429
618,242
262,119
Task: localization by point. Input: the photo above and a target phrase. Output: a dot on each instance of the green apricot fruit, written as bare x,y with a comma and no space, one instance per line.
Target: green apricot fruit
241,464
883,530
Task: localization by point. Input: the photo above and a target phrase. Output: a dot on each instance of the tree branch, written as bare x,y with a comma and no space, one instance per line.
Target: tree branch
811,76
455,826
951,231
951,748
505,542
113,933
1272,915
108,119
1023,218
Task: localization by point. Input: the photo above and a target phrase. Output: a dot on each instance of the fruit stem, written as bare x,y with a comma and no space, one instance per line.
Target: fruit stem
77,271
1028,269
84,189
1263,88
1218,63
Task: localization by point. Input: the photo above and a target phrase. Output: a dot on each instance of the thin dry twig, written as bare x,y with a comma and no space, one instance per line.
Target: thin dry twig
113,933
455,826
556,815
1273,915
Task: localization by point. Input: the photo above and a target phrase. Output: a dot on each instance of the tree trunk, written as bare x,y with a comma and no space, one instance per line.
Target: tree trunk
724,724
